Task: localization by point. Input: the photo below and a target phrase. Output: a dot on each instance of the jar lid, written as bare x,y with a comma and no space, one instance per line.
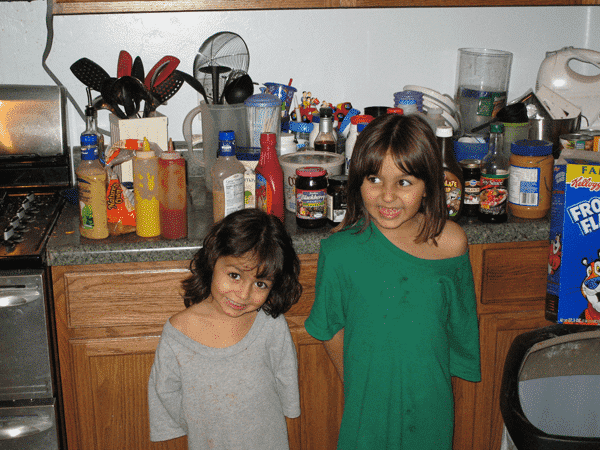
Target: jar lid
531,147
471,163
227,135
444,131
338,180
263,100
311,172
399,111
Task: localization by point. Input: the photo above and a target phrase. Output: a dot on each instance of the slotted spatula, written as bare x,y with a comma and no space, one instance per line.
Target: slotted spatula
163,92
89,73
124,64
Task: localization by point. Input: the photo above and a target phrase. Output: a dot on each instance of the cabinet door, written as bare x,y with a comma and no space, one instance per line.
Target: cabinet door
111,376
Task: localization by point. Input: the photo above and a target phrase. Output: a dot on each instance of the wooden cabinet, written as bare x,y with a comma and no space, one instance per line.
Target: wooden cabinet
109,318
136,6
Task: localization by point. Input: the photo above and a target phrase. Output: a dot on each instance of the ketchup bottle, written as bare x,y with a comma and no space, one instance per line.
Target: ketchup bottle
269,178
172,194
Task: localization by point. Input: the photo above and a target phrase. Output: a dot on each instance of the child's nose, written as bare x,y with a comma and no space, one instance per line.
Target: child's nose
243,290
388,193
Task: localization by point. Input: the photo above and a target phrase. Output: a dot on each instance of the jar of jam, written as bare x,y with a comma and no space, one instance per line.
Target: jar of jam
530,182
311,197
336,199
472,175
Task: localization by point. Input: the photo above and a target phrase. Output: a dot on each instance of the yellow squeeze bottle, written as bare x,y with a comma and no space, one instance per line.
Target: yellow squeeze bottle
145,185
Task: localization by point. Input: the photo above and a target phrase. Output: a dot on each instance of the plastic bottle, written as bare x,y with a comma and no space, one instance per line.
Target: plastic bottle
355,123
493,198
227,178
145,187
326,139
453,176
172,194
91,185
269,178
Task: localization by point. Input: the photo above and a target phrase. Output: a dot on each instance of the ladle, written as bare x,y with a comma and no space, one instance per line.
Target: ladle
238,89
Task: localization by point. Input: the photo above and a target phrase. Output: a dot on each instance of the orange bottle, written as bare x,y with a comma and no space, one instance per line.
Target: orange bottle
269,178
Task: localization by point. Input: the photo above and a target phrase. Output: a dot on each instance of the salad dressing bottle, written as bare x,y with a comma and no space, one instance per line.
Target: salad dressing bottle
91,186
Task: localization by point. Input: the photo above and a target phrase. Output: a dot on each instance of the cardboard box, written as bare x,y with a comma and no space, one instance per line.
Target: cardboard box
155,129
573,289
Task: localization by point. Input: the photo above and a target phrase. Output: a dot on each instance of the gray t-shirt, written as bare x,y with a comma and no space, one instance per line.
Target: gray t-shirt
225,398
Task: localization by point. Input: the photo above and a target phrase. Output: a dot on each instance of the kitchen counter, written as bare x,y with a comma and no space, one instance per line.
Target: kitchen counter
67,247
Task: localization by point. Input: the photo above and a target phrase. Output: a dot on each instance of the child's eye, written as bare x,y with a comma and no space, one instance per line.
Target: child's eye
262,285
373,179
234,275
405,182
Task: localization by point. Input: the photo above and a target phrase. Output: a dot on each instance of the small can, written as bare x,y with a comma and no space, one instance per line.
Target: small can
336,199
472,175
576,141
595,134
311,197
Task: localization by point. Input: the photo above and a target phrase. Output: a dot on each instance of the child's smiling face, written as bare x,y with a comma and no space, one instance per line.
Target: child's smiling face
392,198
235,288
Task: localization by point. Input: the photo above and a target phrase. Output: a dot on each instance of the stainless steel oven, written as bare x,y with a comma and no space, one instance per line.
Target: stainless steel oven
35,167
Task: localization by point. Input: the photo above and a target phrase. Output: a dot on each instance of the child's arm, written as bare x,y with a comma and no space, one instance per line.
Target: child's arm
335,350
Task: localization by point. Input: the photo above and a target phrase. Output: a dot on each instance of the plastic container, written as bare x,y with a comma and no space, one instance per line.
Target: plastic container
269,178
172,195
91,186
145,185
311,197
228,178
530,183
263,113
287,144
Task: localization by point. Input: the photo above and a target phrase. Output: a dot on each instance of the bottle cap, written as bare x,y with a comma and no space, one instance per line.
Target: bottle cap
531,147
268,139
443,131
497,128
326,112
263,100
145,152
399,111
227,135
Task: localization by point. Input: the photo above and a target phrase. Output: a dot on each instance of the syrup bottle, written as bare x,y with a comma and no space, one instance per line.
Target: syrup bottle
453,177
326,139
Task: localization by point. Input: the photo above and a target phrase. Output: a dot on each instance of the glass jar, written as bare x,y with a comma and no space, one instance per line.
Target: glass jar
311,197
336,199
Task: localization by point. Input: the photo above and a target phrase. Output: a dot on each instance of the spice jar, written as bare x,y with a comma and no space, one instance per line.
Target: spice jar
336,199
530,184
311,197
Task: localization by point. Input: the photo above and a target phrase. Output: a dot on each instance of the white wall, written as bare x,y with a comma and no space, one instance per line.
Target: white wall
357,55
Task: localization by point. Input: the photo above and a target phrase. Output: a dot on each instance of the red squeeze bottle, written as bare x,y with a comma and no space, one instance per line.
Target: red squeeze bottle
269,178
172,195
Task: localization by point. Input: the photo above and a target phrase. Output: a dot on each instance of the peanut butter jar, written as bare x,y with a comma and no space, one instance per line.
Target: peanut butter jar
530,181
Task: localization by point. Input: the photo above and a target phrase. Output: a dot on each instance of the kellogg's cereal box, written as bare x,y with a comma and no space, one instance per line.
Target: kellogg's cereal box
573,289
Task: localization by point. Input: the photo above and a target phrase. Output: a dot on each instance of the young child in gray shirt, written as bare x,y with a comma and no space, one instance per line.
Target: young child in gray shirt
225,371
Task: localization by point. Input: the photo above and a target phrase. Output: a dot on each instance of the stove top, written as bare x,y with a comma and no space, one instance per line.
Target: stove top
26,222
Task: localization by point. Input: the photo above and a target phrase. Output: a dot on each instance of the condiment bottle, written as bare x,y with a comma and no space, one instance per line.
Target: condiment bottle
172,194
472,177
145,187
91,186
227,178
493,198
530,183
269,178
91,126
326,139
453,176
311,197
355,122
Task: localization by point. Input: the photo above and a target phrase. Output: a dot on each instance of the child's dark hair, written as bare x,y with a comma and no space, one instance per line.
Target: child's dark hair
412,144
264,237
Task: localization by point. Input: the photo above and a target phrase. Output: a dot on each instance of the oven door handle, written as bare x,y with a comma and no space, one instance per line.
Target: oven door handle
18,297
20,426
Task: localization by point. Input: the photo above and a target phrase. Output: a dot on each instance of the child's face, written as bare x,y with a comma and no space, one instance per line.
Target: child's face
392,198
235,290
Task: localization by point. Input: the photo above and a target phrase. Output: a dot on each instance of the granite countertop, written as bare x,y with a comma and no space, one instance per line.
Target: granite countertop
67,247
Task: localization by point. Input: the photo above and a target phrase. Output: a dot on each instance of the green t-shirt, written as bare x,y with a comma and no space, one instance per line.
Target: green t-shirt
409,325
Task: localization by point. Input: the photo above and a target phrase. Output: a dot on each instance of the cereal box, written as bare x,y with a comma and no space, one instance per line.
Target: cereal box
573,289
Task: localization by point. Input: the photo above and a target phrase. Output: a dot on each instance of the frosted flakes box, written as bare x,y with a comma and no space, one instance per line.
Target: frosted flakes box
573,289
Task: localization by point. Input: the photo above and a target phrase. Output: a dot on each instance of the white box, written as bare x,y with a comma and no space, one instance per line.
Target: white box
155,129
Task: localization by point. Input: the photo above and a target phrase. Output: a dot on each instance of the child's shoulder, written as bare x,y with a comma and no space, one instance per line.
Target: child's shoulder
452,242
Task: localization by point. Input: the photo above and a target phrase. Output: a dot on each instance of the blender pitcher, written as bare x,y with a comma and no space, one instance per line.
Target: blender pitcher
482,77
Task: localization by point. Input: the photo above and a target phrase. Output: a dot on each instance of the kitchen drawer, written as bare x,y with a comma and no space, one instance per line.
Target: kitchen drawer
514,272
123,294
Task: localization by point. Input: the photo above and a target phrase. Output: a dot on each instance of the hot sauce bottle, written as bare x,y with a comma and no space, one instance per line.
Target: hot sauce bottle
269,178
172,194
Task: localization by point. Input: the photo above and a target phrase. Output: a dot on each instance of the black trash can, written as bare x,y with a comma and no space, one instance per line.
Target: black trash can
550,393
